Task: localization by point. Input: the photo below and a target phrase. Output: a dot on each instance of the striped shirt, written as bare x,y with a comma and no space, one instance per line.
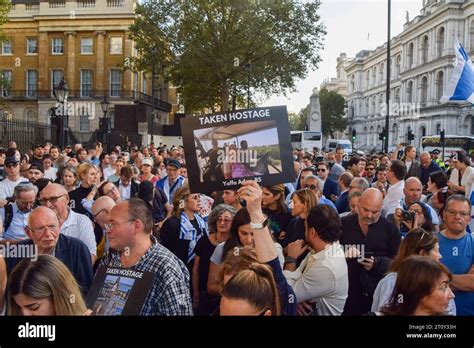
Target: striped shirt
169,293
80,226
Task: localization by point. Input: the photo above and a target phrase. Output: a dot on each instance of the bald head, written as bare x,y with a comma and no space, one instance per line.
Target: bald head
413,190
372,195
370,206
104,202
53,190
42,213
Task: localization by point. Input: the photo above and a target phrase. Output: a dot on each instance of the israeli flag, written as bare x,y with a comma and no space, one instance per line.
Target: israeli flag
461,86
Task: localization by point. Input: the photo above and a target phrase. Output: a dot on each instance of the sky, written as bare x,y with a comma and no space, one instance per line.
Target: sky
351,25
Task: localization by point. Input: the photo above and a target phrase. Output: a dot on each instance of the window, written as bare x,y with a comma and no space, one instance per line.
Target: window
424,49
31,46
397,66
144,83
31,83
410,92
381,73
31,116
57,3
410,56
86,45
58,46
439,85
115,82
6,85
424,90
440,42
84,121
115,45
56,76
135,84
7,47
438,129
367,79
86,83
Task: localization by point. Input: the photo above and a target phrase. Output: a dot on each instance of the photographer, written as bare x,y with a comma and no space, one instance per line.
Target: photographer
417,215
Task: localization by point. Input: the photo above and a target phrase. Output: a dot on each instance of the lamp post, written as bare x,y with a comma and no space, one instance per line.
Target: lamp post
104,121
61,92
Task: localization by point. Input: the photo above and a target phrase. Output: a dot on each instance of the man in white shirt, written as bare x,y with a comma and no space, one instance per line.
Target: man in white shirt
395,176
12,168
321,281
127,187
72,224
107,166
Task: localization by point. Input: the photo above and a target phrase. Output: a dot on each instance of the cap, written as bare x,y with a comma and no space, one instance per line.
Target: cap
11,159
435,152
148,161
174,163
145,191
37,166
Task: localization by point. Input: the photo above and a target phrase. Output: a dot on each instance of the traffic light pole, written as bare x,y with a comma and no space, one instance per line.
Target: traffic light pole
387,93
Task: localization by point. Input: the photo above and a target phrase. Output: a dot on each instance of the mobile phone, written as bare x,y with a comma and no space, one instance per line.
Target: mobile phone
366,255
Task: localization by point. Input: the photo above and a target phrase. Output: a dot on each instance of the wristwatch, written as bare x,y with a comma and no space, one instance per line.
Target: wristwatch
290,259
260,225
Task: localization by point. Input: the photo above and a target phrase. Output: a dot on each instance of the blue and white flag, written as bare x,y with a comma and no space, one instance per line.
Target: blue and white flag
461,86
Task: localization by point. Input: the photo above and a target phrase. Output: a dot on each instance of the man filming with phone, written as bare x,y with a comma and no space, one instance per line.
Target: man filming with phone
370,241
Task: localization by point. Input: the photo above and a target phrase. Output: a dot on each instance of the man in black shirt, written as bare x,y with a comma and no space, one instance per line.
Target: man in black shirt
367,232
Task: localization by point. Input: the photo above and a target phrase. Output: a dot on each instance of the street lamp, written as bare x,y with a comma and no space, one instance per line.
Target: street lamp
104,121
61,93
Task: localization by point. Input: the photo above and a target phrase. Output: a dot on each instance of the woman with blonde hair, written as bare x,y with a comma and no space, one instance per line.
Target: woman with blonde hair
181,232
87,174
44,287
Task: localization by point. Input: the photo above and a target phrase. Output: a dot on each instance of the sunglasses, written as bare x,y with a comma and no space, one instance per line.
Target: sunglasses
321,170
311,187
369,168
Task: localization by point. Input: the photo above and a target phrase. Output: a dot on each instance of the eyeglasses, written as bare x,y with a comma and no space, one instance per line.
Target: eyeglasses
100,211
225,221
41,230
462,214
369,168
110,191
321,170
23,203
51,200
311,187
109,226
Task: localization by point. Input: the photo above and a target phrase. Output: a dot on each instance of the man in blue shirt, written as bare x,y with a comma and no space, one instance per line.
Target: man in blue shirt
173,181
15,215
316,185
457,248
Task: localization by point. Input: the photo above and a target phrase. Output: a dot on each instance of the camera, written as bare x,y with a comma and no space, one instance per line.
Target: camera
408,215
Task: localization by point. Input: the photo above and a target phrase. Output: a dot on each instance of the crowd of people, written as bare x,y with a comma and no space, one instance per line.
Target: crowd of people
386,234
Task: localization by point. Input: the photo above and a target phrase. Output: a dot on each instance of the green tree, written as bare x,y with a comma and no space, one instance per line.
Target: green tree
213,49
332,112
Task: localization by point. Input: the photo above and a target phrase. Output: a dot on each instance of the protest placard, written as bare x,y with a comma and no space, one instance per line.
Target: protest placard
223,149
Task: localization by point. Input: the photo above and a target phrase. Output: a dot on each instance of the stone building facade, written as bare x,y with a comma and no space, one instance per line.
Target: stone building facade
422,62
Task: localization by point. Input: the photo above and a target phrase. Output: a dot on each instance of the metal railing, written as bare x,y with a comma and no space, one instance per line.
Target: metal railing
26,134
89,95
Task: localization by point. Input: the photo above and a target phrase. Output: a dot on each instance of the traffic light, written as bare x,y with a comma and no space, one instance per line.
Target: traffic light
411,136
354,134
441,136
382,134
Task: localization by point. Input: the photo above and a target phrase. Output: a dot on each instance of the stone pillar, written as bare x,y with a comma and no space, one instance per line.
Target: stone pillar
70,74
100,63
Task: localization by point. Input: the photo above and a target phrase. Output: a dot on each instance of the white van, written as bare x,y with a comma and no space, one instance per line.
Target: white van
333,144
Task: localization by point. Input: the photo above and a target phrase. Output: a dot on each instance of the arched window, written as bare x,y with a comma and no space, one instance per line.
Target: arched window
367,79
381,73
367,110
424,90
439,85
410,55
374,76
397,66
440,41
397,95
31,116
424,49
423,131
438,129
410,92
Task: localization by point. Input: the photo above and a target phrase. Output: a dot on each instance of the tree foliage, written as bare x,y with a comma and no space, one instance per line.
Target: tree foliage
332,112
213,49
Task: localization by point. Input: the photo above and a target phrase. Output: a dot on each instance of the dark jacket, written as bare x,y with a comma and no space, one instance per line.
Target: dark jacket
73,253
330,188
133,189
383,239
342,203
414,168
424,173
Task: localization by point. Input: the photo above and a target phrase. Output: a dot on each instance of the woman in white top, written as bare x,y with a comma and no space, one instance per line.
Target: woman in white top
460,181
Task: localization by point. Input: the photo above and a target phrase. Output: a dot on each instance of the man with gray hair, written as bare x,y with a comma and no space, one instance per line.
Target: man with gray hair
427,167
15,215
316,185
